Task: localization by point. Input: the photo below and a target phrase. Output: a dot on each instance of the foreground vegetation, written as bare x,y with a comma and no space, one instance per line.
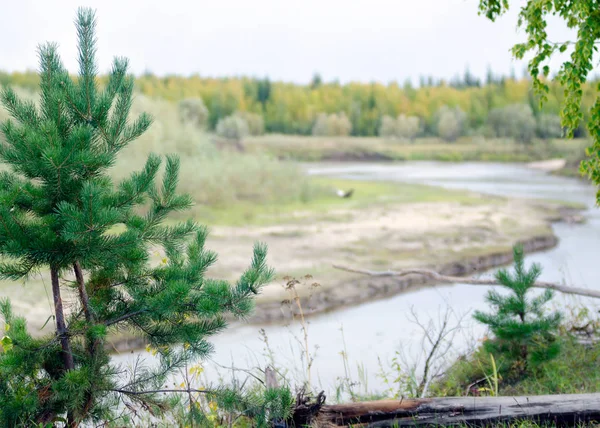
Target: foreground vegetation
567,341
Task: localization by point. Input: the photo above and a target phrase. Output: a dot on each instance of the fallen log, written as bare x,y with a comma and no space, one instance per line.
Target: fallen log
560,410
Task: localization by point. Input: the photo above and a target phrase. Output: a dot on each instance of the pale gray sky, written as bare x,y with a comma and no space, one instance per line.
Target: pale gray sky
361,40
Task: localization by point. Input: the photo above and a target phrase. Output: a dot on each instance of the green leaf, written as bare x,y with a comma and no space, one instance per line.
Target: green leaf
6,343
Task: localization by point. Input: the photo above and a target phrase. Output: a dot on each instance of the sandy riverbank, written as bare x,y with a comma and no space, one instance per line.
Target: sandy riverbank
549,165
452,237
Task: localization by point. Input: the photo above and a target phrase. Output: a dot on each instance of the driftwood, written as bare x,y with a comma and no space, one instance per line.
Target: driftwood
561,410
435,276
307,408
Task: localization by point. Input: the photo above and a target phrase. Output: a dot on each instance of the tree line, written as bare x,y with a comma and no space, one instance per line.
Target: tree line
448,109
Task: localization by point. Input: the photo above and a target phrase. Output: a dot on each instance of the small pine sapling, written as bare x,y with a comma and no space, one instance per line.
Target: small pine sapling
524,335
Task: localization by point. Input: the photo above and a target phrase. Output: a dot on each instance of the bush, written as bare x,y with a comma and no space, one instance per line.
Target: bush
450,123
332,125
549,126
168,134
387,129
406,127
513,121
256,123
233,127
193,110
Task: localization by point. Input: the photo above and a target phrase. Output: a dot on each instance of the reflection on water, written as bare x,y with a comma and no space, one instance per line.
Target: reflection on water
377,330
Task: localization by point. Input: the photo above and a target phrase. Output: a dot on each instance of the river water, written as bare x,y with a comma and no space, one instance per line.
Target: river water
373,333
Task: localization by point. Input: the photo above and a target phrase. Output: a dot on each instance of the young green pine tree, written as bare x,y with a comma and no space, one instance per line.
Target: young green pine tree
60,211
523,333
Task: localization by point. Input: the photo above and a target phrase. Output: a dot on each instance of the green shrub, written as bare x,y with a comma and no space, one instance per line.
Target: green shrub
333,125
549,126
513,121
193,111
450,123
387,129
233,127
256,123
168,133
405,127
574,370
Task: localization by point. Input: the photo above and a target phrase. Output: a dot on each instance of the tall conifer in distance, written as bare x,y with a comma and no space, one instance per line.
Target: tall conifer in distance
60,212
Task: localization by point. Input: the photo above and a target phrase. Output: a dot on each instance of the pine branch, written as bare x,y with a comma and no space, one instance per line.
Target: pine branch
124,317
435,276
86,24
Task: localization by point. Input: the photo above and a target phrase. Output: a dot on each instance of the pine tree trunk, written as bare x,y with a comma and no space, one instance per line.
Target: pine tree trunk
61,326
83,296
92,344
61,332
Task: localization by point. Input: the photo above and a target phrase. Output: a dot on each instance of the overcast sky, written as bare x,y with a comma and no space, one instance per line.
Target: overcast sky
362,40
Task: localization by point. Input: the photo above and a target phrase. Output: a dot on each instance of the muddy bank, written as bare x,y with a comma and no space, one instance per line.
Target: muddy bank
364,289
357,156
353,149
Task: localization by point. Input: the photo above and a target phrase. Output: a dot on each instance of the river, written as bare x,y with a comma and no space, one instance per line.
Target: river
375,331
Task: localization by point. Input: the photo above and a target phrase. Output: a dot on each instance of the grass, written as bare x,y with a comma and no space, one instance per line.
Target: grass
308,148
324,204
574,371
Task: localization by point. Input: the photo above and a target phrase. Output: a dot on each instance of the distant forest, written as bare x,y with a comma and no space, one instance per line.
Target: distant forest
493,107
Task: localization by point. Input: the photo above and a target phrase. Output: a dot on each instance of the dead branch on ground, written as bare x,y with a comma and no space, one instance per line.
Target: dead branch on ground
435,276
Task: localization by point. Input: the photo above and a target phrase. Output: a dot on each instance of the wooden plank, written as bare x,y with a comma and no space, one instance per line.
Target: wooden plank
471,411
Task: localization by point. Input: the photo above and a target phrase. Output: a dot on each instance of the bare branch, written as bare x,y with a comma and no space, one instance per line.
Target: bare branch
435,276
440,339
